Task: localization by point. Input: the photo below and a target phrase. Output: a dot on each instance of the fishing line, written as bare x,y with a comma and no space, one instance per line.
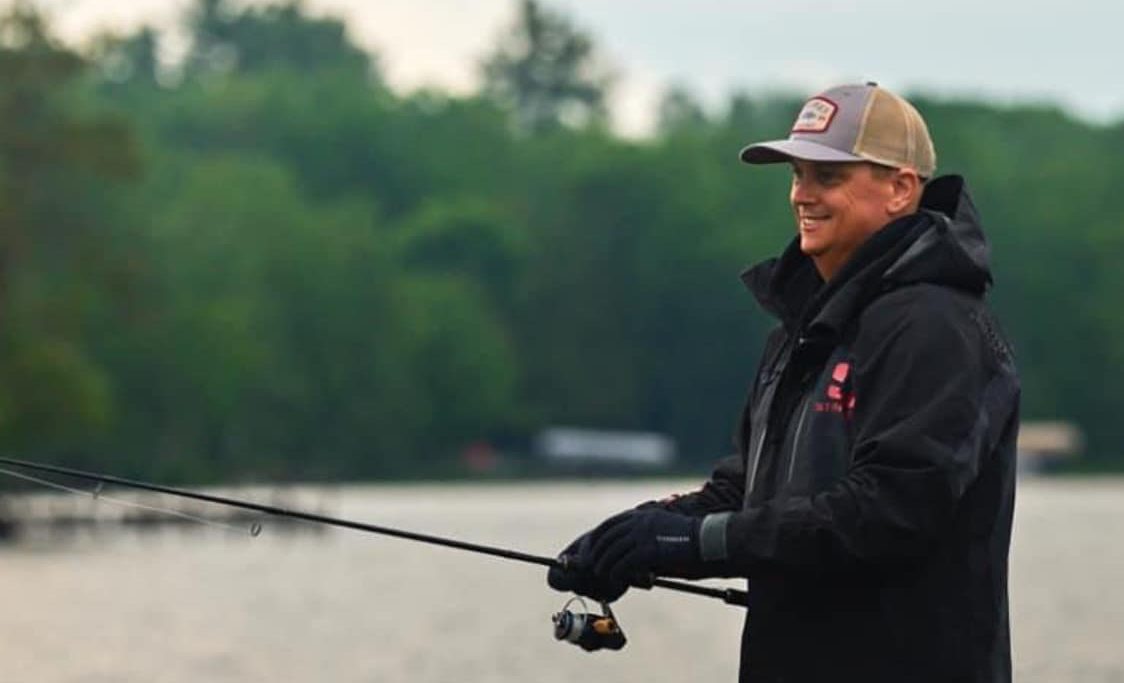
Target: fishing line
96,494
730,596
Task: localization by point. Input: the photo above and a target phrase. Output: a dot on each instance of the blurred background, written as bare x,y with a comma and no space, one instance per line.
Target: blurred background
338,249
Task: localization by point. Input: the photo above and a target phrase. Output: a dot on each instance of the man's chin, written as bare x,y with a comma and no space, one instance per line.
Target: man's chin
810,248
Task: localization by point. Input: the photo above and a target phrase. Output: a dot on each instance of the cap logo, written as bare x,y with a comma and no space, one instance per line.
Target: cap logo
816,116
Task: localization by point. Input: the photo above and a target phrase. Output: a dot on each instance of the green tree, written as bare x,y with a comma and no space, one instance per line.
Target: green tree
470,238
274,335
128,61
463,363
547,72
679,111
276,36
59,166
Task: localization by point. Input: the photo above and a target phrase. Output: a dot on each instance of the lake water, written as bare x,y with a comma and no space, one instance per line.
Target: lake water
203,605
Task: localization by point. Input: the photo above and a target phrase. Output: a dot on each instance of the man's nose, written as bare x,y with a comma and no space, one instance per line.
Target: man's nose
801,194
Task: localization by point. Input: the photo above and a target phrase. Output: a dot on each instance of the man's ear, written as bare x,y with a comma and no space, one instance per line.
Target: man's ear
905,186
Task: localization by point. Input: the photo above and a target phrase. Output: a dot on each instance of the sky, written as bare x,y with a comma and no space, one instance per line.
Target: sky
1008,51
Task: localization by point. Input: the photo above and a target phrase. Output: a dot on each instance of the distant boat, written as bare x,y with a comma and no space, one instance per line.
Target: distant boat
577,447
1043,445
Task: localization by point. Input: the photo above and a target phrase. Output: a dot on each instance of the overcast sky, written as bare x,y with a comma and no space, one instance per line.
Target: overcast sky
1007,50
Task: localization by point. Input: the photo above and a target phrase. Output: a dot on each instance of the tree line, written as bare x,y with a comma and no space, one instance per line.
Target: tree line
258,260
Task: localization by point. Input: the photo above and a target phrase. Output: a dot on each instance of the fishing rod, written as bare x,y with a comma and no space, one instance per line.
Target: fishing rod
588,630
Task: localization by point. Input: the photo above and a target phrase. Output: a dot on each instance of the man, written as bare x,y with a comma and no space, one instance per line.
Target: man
871,496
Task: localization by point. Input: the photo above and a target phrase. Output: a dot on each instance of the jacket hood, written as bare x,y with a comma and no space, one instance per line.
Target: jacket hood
941,244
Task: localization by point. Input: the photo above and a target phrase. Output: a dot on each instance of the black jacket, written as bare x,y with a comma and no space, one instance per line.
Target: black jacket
871,498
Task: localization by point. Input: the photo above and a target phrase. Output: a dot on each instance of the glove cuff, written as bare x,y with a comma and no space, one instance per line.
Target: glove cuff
712,537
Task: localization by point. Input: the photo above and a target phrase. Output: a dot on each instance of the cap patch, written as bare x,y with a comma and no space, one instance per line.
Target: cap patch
816,116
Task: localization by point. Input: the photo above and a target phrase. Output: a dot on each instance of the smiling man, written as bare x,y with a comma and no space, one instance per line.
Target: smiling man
870,499
840,205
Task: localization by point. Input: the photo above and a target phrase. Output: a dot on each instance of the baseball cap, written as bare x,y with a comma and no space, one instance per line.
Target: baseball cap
854,123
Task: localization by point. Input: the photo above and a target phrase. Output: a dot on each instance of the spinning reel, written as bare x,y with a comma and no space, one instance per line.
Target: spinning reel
588,630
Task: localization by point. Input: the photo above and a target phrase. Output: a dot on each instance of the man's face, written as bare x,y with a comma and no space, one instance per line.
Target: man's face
838,206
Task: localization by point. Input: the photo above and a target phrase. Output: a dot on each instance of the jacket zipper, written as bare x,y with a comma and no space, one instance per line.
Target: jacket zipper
757,458
777,375
796,437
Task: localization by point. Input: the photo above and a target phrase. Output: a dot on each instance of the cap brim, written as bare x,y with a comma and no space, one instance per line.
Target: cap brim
780,151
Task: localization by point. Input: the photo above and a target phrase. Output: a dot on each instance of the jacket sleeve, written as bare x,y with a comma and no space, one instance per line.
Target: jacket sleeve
722,492
931,403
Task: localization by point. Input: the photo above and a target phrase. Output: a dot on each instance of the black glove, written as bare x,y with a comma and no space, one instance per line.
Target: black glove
634,545
577,575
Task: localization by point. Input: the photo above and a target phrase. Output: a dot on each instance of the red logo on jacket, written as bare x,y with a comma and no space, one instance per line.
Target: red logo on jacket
840,399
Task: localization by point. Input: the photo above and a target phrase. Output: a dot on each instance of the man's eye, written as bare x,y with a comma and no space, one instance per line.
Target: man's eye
828,177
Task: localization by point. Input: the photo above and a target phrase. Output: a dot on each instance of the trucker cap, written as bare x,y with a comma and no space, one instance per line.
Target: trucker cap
854,123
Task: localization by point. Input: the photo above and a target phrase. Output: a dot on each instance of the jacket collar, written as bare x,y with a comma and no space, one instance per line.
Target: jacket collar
941,243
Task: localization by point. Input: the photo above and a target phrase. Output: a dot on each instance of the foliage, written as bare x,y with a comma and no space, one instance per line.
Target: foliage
57,159
680,112
547,72
274,266
251,40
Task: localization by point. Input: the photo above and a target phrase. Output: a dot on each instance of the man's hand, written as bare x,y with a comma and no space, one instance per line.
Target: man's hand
577,574
634,545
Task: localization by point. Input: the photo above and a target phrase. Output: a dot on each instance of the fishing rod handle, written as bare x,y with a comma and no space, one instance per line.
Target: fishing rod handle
730,596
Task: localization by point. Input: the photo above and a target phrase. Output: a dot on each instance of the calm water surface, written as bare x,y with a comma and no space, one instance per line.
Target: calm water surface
344,606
